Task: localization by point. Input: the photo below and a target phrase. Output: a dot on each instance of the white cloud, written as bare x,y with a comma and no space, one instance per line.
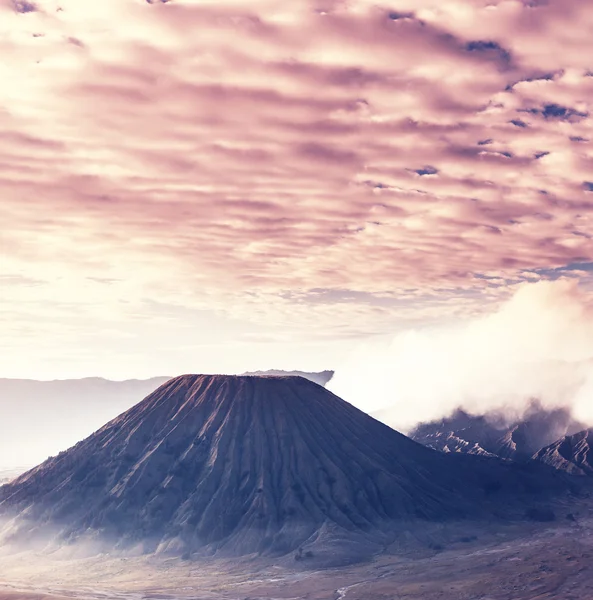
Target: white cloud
537,345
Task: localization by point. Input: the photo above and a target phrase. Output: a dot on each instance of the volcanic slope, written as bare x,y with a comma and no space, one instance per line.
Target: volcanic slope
237,465
572,454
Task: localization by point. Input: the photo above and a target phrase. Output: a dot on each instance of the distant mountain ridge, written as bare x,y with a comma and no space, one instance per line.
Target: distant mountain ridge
40,418
489,435
572,454
321,377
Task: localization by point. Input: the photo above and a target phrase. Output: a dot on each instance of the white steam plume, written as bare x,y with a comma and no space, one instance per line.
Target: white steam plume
538,345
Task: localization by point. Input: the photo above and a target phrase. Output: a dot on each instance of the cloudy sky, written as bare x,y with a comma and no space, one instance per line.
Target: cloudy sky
222,185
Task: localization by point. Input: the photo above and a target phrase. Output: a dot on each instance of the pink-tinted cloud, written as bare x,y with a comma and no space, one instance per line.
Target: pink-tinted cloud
234,157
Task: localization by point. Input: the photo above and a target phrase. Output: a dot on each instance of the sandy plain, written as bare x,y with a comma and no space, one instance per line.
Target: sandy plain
539,562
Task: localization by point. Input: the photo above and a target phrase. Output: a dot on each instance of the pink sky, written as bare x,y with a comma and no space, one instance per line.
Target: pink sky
219,186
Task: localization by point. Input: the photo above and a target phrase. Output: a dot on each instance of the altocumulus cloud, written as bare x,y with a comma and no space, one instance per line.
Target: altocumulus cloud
233,156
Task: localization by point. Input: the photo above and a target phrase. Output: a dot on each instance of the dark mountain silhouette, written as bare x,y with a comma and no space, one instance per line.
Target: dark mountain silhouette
239,464
572,454
491,435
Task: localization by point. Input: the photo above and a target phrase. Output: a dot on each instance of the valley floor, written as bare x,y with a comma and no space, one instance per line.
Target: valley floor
543,563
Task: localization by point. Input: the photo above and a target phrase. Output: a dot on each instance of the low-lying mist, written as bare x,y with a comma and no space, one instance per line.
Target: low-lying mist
537,345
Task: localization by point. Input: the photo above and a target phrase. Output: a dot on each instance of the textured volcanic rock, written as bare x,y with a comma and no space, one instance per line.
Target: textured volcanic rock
490,435
243,464
572,454
461,432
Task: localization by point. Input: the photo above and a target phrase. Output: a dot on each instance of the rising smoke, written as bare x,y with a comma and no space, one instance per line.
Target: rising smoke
537,345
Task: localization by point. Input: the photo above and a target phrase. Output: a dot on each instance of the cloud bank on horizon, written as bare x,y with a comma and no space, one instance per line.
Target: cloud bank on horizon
538,346
194,175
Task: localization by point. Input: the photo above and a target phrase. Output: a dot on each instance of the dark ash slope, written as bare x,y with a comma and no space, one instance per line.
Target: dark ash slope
253,464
